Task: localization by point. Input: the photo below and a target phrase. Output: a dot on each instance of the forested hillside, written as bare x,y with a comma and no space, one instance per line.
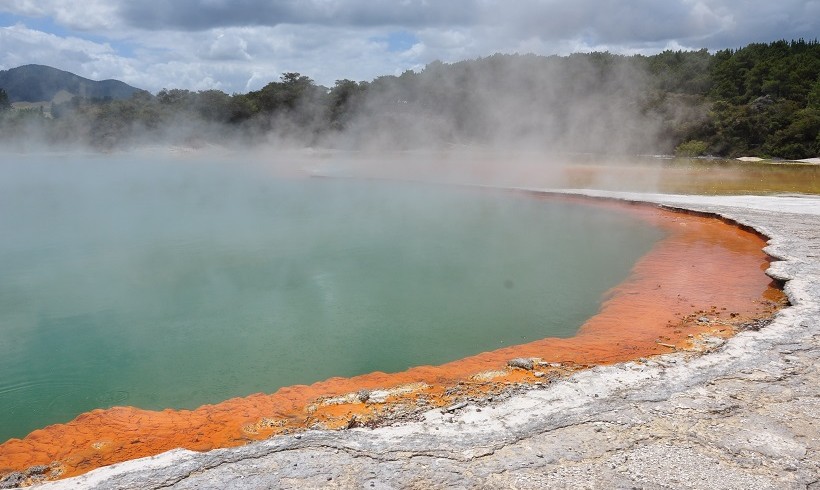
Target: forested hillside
764,101
760,100
37,83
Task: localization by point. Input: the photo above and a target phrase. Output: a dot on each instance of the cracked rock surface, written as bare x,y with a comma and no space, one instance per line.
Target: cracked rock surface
745,416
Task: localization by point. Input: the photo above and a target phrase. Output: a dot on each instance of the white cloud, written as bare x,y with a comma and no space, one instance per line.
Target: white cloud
231,59
227,47
207,14
88,15
239,45
20,45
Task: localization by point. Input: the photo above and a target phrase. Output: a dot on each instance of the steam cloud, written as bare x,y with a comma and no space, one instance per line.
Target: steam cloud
595,103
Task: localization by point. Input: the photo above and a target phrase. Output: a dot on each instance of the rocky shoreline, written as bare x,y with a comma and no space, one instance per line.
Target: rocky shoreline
743,416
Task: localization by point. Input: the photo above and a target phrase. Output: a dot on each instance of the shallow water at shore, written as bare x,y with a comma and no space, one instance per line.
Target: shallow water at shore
578,171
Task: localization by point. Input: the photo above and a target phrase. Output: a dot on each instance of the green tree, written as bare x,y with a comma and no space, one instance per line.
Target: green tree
175,97
241,108
4,101
344,98
692,148
813,98
284,95
213,105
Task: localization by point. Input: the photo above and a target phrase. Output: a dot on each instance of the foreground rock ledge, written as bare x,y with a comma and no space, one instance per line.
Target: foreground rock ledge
745,416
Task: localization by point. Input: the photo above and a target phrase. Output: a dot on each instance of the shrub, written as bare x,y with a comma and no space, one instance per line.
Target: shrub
691,148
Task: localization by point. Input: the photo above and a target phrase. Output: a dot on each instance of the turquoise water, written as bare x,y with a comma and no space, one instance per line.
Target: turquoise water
174,284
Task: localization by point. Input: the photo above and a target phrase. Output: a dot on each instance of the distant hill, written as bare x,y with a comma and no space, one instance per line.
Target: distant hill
38,83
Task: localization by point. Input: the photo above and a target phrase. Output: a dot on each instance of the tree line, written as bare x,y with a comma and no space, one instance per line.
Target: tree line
759,100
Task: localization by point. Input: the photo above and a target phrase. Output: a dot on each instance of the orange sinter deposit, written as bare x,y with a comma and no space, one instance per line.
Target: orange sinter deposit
705,278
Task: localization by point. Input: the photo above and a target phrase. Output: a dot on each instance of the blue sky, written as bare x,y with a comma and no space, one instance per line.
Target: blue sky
240,45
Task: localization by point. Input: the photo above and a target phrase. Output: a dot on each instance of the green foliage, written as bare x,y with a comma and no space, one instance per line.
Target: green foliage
691,148
762,97
4,101
814,95
344,100
780,70
284,95
684,72
797,137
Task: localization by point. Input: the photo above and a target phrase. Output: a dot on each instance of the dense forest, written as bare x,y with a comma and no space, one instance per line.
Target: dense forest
760,100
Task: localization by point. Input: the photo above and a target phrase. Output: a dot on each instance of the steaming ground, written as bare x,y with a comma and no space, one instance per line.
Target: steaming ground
743,416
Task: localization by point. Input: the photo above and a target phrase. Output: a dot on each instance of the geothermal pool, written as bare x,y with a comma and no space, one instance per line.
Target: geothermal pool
178,283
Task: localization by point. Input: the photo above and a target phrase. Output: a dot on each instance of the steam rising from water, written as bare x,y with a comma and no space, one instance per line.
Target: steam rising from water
503,103
177,283
485,118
